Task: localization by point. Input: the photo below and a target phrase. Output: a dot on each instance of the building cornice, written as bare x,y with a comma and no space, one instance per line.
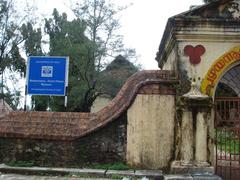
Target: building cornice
195,29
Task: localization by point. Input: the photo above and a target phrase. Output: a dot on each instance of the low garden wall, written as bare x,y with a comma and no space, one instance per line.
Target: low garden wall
79,139
107,145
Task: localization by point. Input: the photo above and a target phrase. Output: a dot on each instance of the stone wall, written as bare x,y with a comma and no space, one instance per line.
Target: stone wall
79,139
106,145
73,125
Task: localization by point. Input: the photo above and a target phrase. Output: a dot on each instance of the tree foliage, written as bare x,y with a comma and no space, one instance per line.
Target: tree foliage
115,75
33,40
68,38
90,40
208,1
10,58
10,38
102,24
33,47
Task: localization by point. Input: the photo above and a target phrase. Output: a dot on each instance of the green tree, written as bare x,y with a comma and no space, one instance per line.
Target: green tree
33,47
115,75
88,40
67,38
10,58
33,40
102,25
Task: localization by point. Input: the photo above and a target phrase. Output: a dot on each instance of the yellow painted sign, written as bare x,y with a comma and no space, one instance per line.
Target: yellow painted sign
218,68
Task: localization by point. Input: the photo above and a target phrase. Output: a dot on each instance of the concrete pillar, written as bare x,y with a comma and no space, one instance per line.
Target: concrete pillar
201,137
187,137
194,157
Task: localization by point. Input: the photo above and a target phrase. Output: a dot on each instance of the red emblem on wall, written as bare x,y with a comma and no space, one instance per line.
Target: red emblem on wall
194,53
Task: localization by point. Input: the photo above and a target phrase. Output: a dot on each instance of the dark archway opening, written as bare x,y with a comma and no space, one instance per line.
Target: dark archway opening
224,90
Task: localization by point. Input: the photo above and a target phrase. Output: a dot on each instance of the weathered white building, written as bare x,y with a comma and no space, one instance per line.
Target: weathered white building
202,46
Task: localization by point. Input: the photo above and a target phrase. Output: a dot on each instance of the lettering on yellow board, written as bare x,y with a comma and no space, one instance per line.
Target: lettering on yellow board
217,68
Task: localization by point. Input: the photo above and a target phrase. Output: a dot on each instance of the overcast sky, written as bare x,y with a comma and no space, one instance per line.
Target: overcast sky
142,23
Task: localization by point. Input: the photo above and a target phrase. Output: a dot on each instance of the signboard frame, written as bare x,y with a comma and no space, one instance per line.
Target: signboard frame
46,72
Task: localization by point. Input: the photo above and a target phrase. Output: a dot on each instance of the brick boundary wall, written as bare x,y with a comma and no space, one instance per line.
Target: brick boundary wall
72,125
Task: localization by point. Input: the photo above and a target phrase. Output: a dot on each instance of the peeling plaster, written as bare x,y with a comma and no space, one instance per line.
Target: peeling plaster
235,9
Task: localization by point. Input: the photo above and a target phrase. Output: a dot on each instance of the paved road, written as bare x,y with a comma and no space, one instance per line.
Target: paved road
24,177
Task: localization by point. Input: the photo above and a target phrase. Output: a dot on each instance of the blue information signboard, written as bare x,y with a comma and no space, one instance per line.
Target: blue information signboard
47,75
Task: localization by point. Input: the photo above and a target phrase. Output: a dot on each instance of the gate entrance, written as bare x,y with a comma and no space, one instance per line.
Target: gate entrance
227,129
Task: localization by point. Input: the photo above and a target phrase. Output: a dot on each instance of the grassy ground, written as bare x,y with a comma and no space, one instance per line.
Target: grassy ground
114,166
228,141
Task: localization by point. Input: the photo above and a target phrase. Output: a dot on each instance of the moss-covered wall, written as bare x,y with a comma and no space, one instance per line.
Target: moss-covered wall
106,145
